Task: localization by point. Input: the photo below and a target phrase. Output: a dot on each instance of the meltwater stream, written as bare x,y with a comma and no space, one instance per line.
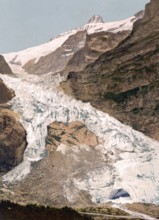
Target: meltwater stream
134,157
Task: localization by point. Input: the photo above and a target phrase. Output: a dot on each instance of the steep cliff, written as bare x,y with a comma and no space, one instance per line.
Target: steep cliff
125,81
6,94
95,45
56,61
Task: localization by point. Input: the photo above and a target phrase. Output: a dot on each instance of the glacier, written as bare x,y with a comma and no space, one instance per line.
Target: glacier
133,157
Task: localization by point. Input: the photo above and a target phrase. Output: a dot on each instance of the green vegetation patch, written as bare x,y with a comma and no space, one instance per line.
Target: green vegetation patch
105,210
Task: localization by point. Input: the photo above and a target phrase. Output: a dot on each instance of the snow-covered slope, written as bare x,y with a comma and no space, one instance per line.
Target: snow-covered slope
94,25
133,157
34,53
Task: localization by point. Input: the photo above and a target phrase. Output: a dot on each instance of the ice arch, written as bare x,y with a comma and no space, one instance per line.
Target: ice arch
117,193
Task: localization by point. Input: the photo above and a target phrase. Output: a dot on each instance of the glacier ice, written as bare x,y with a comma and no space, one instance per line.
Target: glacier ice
133,157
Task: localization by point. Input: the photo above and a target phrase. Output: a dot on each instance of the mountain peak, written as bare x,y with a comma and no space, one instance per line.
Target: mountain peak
96,19
139,14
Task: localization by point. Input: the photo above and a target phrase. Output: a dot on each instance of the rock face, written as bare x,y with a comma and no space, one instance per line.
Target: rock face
79,50
4,67
12,134
56,61
75,133
6,94
124,82
95,45
12,140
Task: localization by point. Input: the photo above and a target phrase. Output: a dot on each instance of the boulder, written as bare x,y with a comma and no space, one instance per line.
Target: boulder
12,140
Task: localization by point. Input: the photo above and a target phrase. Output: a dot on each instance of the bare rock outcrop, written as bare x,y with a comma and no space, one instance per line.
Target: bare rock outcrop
124,82
57,60
6,94
75,133
12,140
4,67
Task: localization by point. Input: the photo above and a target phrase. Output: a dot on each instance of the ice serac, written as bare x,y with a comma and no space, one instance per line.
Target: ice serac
124,81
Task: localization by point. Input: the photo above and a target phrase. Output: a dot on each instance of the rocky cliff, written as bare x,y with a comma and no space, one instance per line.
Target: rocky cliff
125,81
12,140
95,45
6,94
12,134
56,61
4,67
79,50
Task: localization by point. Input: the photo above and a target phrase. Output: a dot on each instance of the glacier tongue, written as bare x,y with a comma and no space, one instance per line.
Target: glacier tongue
133,157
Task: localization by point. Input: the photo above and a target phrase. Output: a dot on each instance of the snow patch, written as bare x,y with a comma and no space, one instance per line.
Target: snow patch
35,53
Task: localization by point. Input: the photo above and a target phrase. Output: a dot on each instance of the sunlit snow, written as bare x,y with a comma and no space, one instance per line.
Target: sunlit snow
33,54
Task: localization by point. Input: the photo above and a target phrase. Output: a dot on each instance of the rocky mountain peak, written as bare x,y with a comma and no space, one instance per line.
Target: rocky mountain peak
152,10
139,14
96,19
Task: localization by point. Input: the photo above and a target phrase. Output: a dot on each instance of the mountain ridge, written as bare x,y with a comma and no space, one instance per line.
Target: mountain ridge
122,81
31,56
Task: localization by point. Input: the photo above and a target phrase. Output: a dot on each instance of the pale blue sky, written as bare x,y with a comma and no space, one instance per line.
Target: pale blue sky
25,23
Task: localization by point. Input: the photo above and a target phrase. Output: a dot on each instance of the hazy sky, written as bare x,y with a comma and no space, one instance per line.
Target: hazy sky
25,23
